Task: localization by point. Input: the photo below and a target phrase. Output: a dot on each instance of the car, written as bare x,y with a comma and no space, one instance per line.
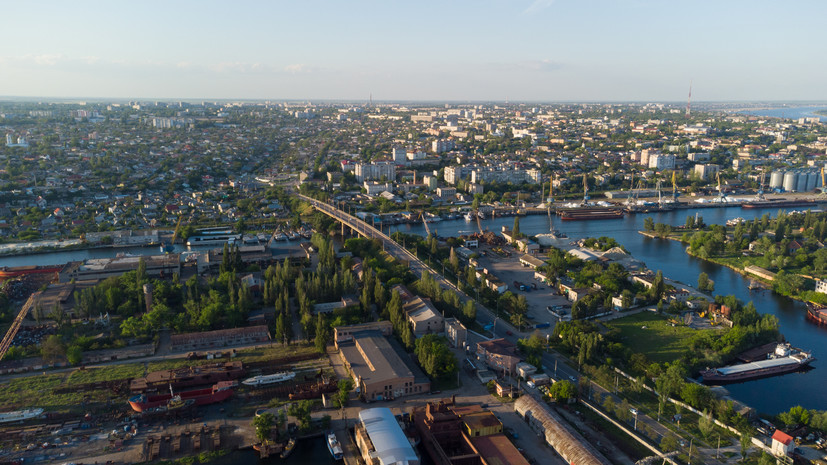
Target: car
572,379
509,333
633,411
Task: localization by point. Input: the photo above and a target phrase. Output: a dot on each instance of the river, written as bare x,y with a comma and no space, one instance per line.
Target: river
771,395
790,112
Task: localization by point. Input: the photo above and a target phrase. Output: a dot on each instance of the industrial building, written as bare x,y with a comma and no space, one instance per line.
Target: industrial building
464,435
220,338
423,316
499,354
381,440
561,437
102,268
380,368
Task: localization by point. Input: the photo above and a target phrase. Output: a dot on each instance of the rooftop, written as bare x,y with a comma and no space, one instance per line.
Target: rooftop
390,442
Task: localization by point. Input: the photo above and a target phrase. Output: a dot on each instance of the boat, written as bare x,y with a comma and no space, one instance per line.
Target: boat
334,447
817,313
203,375
218,239
288,448
20,415
469,216
15,271
784,359
577,214
219,392
778,203
263,380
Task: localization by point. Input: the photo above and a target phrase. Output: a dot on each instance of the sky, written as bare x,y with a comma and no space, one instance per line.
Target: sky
456,50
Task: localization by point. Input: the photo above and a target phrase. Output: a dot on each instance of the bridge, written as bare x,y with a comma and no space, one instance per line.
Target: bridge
484,315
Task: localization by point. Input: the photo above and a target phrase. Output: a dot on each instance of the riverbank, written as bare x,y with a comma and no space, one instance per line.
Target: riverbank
737,268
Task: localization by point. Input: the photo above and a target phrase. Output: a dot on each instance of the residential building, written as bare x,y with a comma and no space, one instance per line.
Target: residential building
707,172
662,162
821,286
376,170
400,155
456,333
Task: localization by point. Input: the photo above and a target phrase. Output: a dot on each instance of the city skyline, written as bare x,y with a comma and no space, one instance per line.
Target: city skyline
541,50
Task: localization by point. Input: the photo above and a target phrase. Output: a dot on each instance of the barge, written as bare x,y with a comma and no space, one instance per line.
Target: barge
578,214
784,359
817,314
778,203
7,272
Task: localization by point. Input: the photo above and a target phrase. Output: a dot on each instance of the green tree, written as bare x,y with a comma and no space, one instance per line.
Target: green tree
264,426
563,390
704,283
745,441
321,334
74,355
52,349
515,233
649,224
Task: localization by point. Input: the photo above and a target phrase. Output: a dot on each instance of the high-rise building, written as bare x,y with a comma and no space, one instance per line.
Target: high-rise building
375,170
400,155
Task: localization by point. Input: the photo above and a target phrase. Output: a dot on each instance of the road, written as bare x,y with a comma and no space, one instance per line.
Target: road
484,315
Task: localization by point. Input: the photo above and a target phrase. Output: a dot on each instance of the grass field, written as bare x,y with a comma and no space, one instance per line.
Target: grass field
660,341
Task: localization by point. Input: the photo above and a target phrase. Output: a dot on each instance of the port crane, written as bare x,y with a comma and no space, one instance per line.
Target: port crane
760,194
585,191
721,194
168,248
674,188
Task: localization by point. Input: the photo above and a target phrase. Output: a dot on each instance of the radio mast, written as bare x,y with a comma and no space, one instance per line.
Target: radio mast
689,100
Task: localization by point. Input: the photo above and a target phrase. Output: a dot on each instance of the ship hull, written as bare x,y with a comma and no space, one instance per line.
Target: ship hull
199,396
590,214
779,203
710,377
13,272
817,315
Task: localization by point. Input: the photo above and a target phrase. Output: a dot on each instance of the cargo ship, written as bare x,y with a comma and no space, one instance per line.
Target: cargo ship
817,313
7,272
784,359
577,214
202,375
264,380
20,415
217,393
778,203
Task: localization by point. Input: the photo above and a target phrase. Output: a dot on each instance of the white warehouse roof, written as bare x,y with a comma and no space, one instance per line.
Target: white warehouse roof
391,444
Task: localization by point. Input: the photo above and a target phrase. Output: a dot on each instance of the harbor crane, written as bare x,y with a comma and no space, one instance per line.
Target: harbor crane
5,344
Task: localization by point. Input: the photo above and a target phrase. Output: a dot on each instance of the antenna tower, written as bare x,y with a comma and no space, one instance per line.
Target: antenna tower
689,100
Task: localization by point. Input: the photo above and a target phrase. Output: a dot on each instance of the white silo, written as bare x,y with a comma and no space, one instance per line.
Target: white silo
801,181
790,178
812,180
777,180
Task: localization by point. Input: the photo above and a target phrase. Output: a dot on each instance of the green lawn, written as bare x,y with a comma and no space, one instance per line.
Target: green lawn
660,341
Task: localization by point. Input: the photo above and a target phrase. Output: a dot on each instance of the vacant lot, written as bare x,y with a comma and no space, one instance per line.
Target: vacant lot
654,336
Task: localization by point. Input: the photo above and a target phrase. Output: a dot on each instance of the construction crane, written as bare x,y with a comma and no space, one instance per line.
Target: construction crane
5,344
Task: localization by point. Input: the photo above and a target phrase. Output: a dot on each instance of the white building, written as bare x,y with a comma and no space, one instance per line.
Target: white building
442,145
821,286
662,161
375,170
376,188
706,172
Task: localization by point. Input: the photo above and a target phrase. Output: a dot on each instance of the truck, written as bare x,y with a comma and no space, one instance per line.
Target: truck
520,286
542,325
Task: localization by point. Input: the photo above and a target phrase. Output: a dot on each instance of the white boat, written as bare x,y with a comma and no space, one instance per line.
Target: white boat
469,216
263,380
20,415
334,447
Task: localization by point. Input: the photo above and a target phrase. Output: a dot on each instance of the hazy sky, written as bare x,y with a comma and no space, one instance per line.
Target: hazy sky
543,50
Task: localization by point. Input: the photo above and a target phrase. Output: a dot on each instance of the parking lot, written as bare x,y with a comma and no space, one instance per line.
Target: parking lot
509,270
